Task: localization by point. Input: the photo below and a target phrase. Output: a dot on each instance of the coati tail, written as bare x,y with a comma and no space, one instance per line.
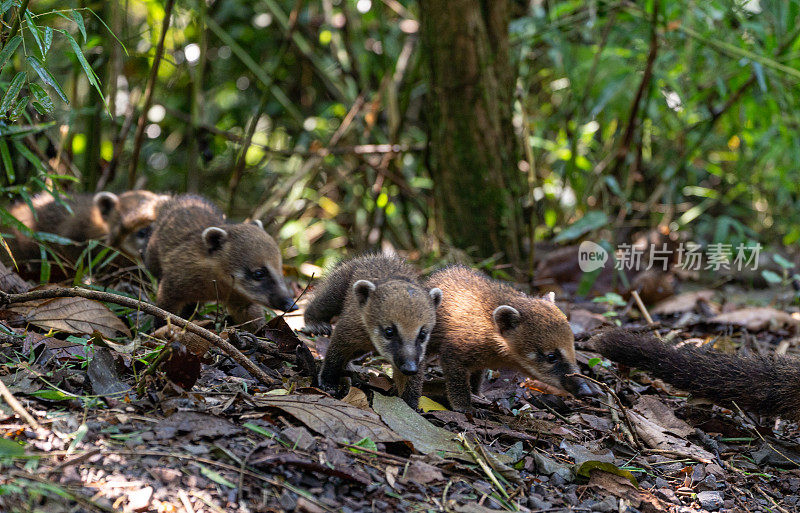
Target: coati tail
760,384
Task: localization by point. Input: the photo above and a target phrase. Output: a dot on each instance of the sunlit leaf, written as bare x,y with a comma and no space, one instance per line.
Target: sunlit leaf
5,5
87,69
9,49
35,32
46,77
591,221
78,17
19,108
48,39
12,92
43,103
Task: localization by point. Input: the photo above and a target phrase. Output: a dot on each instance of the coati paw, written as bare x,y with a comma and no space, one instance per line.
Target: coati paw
338,389
317,328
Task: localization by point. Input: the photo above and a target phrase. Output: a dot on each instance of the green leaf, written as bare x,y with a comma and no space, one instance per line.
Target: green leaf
594,361
782,261
8,49
46,77
6,157
11,448
6,5
48,39
28,154
42,99
35,32
586,468
12,92
366,443
215,476
19,108
44,270
78,17
771,277
259,429
591,221
90,74
51,395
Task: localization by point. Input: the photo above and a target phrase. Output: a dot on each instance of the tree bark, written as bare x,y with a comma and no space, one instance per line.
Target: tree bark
473,149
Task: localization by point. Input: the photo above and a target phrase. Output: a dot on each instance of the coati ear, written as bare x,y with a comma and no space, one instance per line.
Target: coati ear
214,238
106,202
362,289
436,295
258,223
550,296
506,318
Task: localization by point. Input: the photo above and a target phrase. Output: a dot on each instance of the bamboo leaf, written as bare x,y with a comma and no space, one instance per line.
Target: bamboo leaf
87,69
12,92
46,77
6,157
28,154
35,32
48,39
42,102
78,17
8,49
19,108
6,5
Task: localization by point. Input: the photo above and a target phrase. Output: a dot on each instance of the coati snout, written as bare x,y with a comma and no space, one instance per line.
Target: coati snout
399,317
132,227
253,260
485,324
382,307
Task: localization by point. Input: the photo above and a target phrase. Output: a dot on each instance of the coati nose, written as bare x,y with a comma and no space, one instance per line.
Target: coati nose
288,305
582,388
409,368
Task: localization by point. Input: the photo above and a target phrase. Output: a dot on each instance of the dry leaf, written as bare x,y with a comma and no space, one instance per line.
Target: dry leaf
685,302
656,437
758,318
72,315
332,418
356,397
663,415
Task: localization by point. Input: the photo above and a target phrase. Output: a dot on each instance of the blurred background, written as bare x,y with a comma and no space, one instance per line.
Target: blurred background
464,130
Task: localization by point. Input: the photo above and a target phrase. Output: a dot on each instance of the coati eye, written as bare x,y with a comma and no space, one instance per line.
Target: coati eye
389,332
259,274
422,334
143,232
552,357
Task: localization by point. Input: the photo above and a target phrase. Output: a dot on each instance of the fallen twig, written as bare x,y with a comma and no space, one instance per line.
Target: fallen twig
17,407
96,295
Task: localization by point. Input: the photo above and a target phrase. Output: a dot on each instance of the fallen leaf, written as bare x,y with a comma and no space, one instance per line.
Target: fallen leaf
196,424
427,404
102,372
183,366
277,331
656,437
331,418
588,466
758,318
584,321
72,315
663,415
356,397
581,454
423,473
411,426
685,302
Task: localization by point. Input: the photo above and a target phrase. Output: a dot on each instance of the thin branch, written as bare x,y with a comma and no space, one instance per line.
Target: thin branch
148,94
15,405
96,295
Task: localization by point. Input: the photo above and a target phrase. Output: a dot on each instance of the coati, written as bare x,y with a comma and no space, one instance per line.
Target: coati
382,306
91,218
120,221
483,323
137,211
198,256
760,384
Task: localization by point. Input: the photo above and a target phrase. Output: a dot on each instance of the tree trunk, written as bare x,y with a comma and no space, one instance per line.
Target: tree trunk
473,149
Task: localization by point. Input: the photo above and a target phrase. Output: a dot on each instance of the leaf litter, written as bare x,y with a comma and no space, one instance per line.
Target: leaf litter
161,422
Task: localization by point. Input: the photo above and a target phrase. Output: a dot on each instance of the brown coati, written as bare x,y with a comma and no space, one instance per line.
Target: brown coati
133,226
767,385
90,219
198,256
484,324
382,307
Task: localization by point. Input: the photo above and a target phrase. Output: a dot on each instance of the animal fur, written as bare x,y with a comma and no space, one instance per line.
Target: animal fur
485,324
767,385
197,256
382,307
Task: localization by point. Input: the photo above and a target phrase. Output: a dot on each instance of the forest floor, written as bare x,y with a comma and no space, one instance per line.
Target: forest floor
98,428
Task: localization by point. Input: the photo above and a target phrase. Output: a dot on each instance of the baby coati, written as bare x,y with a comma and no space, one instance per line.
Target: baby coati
485,324
761,384
90,218
382,307
122,222
137,211
198,256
